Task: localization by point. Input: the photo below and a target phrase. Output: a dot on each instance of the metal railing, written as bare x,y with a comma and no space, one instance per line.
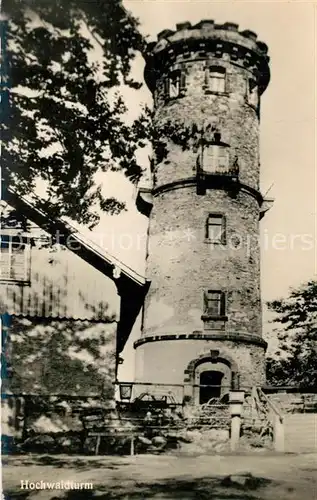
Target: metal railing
175,393
270,403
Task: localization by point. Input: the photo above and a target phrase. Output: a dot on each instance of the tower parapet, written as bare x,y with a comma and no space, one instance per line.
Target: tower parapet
207,79
208,40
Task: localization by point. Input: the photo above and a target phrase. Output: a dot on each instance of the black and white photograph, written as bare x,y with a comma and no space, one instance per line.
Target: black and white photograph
158,265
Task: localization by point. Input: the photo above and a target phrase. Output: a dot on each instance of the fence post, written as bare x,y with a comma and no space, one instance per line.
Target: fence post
278,433
97,445
236,399
132,446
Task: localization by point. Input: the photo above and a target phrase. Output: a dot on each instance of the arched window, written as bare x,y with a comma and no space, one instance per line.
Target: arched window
215,79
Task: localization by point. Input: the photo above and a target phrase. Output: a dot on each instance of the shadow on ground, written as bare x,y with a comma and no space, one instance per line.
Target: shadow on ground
212,488
59,462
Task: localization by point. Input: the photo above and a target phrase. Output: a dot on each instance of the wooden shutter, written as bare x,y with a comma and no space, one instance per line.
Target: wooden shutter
18,263
206,304
223,304
225,81
14,259
5,260
198,163
207,228
224,231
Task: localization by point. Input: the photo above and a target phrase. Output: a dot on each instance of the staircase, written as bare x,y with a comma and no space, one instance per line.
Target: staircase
258,419
289,420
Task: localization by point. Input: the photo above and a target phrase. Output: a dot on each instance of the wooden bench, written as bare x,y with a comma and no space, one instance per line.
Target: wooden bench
96,423
106,434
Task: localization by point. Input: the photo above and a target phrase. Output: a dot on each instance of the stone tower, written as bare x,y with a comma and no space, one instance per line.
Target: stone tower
202,313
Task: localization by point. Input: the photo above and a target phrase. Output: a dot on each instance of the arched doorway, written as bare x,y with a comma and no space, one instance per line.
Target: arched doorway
217,369
215,376
209,385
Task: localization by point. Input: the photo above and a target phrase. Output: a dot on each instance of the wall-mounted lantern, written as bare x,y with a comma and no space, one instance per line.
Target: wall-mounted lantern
125,391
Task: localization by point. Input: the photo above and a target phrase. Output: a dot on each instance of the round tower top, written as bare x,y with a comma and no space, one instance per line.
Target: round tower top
207,39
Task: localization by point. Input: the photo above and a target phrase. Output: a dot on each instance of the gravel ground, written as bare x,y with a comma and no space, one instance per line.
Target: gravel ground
166,477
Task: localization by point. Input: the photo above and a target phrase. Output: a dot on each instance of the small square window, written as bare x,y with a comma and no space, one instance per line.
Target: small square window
215,228
174,85
216,159
214,303
215,79
14,259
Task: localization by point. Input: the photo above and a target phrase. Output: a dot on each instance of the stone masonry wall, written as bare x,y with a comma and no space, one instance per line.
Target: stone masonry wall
237,121
166,361
183,263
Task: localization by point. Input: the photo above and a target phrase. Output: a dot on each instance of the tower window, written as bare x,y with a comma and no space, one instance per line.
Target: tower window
215,79
253,94
175,84
14,259
216,228
214,303
216,159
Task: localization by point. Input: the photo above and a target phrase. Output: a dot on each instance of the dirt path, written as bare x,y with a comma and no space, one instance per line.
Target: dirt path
274,477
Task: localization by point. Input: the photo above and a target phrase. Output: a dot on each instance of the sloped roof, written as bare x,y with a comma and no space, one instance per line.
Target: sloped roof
63,286
68,232
131,285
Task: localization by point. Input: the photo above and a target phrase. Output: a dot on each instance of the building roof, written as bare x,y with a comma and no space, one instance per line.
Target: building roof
62,286
131,286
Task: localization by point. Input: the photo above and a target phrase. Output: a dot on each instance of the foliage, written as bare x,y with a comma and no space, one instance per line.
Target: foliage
295,363
60,357
179,134
64,120
185,136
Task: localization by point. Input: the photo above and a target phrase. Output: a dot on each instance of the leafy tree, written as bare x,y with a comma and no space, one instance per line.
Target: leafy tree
63,117
295,362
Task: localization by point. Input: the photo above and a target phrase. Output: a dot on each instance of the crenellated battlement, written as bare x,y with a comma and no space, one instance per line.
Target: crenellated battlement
208,28
208,40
